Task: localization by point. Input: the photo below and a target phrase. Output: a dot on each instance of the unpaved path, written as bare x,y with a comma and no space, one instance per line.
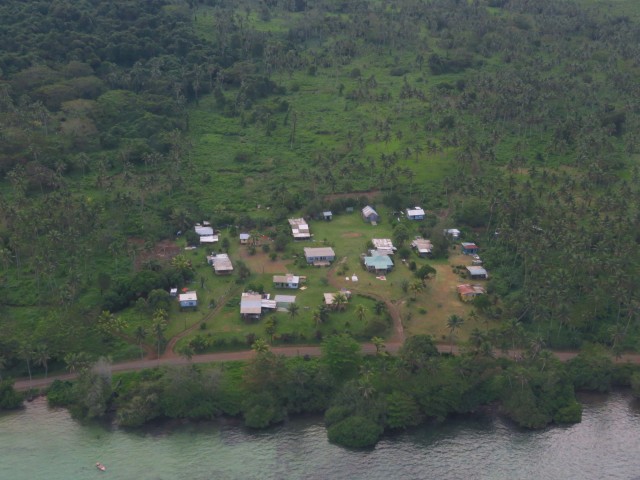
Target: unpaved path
293,351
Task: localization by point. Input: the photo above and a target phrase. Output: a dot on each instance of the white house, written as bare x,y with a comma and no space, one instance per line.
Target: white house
286,281
319,256
415,213
188,299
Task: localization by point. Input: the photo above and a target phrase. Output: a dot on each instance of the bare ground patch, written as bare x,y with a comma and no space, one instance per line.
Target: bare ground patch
351,235
162,251
261,263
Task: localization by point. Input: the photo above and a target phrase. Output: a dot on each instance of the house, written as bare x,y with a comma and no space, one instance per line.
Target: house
188,299
286,281
253,304
327,215
415,213
222,264
203,231
378,263
423,247
244,238
209,239
283,301
299,229
370,215
319,256
468,292
454,233
384,246
477,272
469,248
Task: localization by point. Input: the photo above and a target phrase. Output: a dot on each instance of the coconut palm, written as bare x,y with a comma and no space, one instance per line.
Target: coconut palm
339,301
77,362
454,322
381,348
260,346
293,310
140,334
270,327
361,312
415,288
41,356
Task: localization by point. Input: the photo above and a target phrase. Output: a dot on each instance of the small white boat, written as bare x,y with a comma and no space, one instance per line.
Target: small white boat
100,467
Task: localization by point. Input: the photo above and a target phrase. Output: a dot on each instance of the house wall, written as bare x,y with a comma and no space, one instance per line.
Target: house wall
189,303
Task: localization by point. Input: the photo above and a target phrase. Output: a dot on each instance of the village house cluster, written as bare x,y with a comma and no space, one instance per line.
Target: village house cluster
378,260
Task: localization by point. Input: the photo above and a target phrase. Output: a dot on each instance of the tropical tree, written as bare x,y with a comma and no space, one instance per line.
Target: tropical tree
77,362
186,352
293,310
270,327
140,334
415,288
339,301
260,346
25,352
160,318
381,348
454,323
361,312
41,356
3,364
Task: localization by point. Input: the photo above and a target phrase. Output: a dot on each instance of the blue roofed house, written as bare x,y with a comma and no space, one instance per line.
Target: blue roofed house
378,263
370,215
188,299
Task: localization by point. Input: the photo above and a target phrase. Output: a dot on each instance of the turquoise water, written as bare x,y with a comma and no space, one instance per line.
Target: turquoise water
38,443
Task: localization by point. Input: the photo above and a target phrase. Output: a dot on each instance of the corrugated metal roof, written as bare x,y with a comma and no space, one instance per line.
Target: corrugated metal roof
188,296
367,211
319,252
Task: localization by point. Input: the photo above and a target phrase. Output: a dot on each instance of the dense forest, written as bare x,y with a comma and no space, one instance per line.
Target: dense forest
512,119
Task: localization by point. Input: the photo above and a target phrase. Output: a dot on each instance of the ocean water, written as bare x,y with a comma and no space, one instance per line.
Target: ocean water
42,443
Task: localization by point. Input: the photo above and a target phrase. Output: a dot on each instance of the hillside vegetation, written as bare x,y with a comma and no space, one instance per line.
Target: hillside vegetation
125,122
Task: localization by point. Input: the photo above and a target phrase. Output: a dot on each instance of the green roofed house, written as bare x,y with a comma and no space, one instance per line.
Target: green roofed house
378,263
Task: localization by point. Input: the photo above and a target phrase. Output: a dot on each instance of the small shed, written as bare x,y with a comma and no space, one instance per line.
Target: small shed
328,215
173,292
477,272
188,299
415,213
453,233
422,247
469,248
209,239
244,238
370,215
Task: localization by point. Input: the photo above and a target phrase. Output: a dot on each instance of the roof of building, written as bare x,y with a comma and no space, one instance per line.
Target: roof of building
203,231
285,299
222,262
327,213
415,211
251,303
378,262
476,270
452,231
188,296
288,278
208,238
422,245
467,289
319,252
297,221
244,236
328,298
367,211
382,243
468,245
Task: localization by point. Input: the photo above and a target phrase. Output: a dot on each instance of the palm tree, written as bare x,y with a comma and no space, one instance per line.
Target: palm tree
42,357
293,310
77,361
339,301
361,312
26,353
140,334
381,348
318,317
186,351
454,322
159,326
270,328
415,288
3,363
260,346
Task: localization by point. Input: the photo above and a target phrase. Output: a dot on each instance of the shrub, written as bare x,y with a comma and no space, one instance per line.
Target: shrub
355,432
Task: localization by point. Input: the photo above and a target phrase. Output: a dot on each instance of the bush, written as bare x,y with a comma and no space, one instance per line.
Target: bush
355,432
9,397
60,394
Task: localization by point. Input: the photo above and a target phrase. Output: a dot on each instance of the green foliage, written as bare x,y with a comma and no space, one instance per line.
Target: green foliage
635,384
355,432
188,393
592,369
60,394
341,355
9,397
402,410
